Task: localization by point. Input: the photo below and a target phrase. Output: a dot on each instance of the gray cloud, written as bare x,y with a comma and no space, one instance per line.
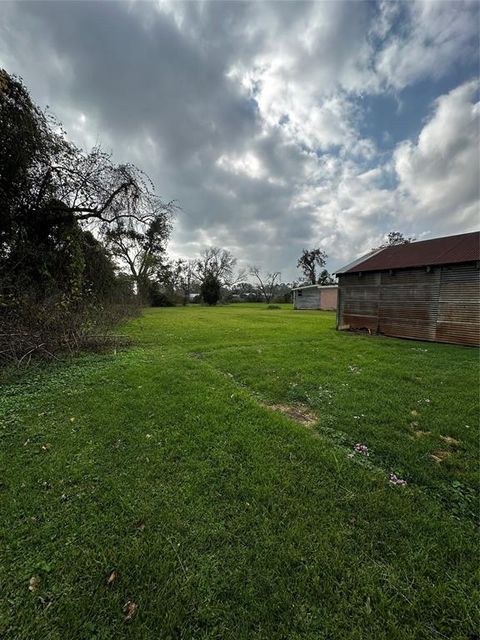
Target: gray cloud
247,113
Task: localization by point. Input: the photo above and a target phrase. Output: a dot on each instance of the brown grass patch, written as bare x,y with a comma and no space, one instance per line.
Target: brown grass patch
418,433
299,413
439,456
451,441
195,354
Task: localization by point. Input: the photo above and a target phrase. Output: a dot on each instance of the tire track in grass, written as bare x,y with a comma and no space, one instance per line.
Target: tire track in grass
303,416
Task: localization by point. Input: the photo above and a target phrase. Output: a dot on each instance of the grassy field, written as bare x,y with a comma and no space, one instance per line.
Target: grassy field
208,477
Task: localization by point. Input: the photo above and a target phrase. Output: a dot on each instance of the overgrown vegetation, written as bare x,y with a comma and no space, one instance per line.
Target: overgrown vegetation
213,482
60,208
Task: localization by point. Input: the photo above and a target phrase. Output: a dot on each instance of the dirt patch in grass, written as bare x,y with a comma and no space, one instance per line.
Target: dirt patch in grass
451,441
195,354
439,456
421,434
418,433
299,413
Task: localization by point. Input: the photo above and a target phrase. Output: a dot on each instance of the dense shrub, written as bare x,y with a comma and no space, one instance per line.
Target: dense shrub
210,289
161,299
59,287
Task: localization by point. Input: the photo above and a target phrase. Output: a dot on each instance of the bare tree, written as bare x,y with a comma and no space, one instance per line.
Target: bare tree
219,263
266,282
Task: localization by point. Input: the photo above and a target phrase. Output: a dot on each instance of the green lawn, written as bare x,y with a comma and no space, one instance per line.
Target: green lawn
224,518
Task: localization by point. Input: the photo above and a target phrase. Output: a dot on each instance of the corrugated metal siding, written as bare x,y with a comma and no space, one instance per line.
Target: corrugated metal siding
442,304
459,305
309,299
409,303
358,306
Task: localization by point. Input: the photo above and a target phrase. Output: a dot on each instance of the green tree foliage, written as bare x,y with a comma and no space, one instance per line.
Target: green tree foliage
49,188
140,246
310,261
210,289
220,264
177,277
57,204
325,278
394,238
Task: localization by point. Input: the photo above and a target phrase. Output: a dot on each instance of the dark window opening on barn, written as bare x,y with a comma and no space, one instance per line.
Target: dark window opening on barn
299,293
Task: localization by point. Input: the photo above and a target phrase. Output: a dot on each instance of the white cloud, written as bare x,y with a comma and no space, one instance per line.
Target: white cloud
436,35
440,171
247,164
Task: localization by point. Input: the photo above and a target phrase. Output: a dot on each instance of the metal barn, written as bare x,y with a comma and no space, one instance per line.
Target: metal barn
315,296
428,290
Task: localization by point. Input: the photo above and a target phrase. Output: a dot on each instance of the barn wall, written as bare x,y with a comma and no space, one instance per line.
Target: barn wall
459,305
442,304
328,299
310,299
408,303
358,301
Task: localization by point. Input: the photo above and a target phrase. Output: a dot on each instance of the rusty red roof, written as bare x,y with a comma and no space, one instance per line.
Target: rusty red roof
447,250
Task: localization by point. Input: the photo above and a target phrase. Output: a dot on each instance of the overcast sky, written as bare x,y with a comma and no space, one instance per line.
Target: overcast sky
275,125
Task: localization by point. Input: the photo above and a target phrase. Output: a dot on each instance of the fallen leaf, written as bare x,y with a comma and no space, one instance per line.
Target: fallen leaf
130,609
33,583
140,525
414,413
72,419
113,577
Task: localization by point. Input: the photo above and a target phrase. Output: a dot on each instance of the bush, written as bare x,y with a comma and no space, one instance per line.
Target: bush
55,325
160,299
155,296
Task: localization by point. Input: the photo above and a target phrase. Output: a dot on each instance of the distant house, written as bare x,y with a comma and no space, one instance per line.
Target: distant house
428,290
315,296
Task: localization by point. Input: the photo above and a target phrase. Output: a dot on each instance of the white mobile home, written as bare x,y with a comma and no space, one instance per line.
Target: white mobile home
315,296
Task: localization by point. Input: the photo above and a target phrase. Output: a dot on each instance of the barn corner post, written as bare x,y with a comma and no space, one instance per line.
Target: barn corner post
339,305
